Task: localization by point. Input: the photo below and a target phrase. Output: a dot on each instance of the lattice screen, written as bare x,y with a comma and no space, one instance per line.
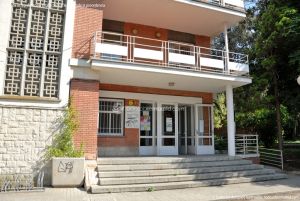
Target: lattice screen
35,48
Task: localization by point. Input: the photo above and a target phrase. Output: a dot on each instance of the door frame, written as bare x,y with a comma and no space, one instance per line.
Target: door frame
189,149
149,150
204,149
166,150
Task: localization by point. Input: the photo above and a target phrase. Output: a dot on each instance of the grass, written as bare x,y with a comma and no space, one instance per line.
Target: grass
296,141
292,158
292,142
292,151
151,189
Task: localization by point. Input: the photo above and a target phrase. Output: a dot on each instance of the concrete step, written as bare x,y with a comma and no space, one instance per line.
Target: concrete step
161,166
183,184
158,160
178,178
145,173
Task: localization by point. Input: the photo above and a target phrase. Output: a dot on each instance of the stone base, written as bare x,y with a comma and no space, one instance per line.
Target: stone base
24,135
67,172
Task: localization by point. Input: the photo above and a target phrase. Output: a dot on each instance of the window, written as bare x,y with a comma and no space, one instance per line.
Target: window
35,48
111,117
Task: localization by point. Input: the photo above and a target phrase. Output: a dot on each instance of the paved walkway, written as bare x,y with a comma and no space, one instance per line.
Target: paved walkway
226,192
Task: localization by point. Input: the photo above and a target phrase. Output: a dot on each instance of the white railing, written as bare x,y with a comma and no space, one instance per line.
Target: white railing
167,54
233,4
273,157
246,145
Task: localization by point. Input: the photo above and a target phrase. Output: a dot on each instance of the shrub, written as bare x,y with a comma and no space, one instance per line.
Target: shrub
63,145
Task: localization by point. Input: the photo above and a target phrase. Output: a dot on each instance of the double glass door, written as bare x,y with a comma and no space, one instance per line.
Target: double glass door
175,129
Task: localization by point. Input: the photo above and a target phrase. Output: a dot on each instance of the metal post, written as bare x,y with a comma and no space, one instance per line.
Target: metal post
244,144
281,154
226,48
257,150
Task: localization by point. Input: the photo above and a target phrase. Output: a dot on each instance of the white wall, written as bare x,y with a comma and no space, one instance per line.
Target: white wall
27,127
66,72
5,20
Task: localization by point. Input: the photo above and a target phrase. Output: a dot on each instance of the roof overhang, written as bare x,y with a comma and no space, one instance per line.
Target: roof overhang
187,16
146,76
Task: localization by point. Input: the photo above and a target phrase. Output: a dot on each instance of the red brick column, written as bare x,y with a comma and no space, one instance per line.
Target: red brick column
85,97
88,20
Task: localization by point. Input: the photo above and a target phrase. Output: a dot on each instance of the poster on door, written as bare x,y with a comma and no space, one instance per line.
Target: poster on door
132,117
145,121
169,124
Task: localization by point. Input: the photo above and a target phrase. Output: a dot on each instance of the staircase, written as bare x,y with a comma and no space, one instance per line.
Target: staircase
131,174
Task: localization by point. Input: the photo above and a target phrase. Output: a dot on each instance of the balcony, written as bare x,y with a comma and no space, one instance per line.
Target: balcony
153,53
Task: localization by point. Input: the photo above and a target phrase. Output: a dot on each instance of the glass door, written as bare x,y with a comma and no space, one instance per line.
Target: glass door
167,120
186,130
147,130
204,129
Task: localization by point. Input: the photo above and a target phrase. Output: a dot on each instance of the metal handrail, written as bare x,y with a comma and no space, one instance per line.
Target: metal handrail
246,144
165,48
222,3
273,157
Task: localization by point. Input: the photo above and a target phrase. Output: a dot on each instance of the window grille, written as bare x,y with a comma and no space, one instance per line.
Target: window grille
111,117
35,48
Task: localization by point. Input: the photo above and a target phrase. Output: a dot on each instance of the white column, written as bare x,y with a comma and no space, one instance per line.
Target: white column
226,47
230,121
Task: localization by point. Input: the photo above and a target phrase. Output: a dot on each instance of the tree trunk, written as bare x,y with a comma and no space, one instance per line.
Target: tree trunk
278,114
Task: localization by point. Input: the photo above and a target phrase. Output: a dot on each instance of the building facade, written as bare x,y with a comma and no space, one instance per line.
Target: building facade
142,76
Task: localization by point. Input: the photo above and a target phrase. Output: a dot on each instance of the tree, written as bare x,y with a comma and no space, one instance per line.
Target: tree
270,36
276,27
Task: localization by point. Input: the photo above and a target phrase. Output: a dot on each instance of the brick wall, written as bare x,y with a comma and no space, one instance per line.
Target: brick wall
88,20
145,31
203,41
85,97
129,139
255,160
207,98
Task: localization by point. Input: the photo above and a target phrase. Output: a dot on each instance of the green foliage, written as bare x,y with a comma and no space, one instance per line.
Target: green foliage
220,143
220,111
151,189
62,145
261,121
270,35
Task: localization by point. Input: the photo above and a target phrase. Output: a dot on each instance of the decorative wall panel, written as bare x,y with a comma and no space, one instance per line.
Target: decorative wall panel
35,48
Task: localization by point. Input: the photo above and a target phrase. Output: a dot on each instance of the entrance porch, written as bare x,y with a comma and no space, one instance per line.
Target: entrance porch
159,125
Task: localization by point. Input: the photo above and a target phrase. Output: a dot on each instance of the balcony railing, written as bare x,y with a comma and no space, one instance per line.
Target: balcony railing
116,47
232,4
